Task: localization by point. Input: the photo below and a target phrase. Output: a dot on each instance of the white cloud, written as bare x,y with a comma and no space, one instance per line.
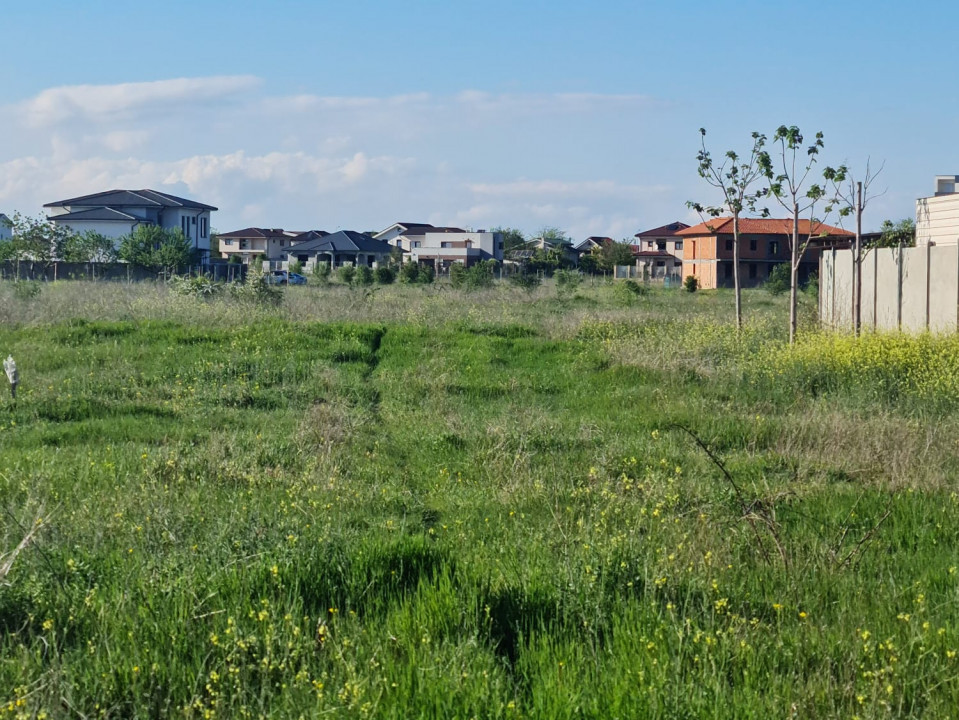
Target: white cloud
105,102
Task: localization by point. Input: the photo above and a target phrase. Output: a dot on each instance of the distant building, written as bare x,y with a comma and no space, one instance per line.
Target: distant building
266,243
763,244
937,217
116,213
441,247
660,250
6,227
344,247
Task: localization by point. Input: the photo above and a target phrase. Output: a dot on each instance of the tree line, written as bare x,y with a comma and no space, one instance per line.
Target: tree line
40,241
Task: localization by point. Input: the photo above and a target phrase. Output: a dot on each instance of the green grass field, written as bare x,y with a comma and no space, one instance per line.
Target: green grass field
414,502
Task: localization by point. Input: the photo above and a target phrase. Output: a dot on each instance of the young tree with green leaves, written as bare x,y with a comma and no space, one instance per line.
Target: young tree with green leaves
614,253
89,247
788,188
156,249
897,235
37,240
735,179
852,196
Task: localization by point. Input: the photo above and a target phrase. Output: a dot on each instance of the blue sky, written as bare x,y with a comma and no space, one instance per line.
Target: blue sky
579,115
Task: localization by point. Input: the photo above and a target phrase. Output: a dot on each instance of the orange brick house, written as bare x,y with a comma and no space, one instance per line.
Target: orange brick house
763,244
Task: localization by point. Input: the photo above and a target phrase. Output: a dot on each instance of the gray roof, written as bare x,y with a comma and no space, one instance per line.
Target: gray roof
253,232
310,235
130,198
99,214
344,241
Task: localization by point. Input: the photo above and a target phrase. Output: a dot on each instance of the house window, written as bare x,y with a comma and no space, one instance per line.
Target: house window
752,270
446,244
415,243
203,227
729,245
650,244
660,263
678,245
469,243
661,245
773,247
227,242
185,226
752,245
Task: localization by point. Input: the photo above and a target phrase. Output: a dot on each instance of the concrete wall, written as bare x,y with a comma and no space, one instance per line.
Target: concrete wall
912,289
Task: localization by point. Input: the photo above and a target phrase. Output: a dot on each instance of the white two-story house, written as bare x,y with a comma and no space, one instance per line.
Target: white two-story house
442,247
116,213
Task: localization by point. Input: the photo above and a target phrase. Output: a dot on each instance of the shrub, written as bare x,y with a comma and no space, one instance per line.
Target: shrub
197,286
321,271
364,275
346,274
691,283
427,275
628,291
384,275
409,272
567,280
778,281
256,290
478,276
296,266
527,281
26,289
812,284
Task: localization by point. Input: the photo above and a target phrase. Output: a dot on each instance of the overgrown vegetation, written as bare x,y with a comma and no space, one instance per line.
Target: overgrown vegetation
441,503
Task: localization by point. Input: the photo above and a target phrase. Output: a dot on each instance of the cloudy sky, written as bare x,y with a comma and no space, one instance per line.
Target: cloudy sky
585,116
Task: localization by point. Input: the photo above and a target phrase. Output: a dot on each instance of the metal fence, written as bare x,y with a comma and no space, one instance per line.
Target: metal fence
911,289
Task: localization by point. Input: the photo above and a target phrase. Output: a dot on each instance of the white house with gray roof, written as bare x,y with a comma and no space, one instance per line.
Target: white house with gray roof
116,213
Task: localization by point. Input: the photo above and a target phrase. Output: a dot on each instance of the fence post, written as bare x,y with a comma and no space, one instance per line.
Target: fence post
899,290
928,281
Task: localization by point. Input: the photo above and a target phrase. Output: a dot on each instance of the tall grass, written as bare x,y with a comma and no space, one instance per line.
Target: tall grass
427,503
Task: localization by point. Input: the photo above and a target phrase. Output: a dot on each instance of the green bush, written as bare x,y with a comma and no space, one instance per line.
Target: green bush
296,266
197,286
628,291
691,283
426,275
384,275
478,276
26,289
527,281
364,275
409,272
812,285
778,281
256,290
567,281
321,271
346,274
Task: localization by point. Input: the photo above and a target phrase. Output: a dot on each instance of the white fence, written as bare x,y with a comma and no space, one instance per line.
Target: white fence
912,289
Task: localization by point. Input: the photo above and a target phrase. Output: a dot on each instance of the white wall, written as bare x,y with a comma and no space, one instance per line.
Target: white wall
937,220
107,229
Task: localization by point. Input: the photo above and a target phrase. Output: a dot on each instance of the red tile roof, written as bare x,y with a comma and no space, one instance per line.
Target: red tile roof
761,226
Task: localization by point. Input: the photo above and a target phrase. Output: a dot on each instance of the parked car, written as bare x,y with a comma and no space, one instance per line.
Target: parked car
277,277
296,279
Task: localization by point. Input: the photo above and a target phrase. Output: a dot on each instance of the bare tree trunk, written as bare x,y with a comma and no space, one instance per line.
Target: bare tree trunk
794,274
857,266
736,284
